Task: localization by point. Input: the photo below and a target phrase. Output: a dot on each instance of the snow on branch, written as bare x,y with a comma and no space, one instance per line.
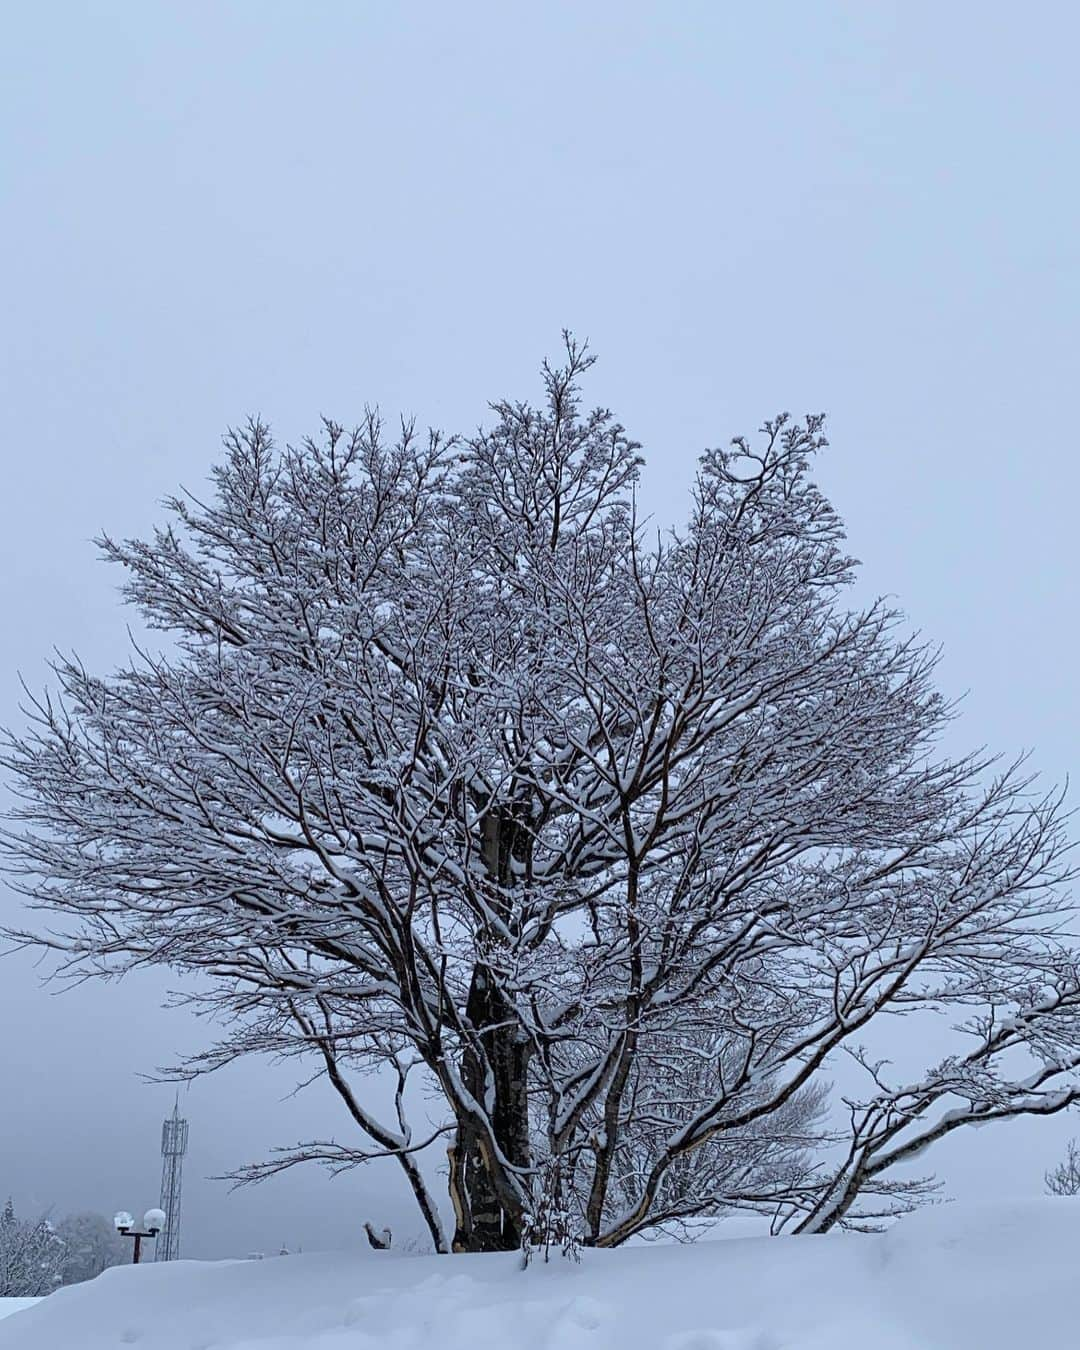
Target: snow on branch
595,848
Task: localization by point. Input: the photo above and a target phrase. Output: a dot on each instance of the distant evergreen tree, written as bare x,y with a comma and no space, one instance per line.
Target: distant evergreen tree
31,1255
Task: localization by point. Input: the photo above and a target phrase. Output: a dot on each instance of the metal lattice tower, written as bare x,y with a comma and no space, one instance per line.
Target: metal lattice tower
174,1137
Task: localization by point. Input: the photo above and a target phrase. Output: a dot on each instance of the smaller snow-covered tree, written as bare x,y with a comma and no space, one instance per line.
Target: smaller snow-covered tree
1064,1179
31,1255
91,1245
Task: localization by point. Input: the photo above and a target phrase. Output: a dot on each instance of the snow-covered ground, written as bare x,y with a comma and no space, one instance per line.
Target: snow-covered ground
14,1305
952,1278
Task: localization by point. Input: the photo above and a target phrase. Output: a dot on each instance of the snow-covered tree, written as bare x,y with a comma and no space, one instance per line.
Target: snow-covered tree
91,1245
1064,1179
31,1255
453,771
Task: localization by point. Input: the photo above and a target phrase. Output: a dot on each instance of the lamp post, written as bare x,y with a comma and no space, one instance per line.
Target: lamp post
153,1223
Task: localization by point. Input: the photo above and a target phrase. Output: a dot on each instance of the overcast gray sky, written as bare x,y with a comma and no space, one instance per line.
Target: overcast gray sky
209,210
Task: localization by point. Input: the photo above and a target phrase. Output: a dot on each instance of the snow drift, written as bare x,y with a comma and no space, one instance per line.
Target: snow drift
950,1278
14,1305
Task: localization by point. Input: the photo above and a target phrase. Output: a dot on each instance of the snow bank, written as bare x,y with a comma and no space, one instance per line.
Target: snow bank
14,1305
951,1278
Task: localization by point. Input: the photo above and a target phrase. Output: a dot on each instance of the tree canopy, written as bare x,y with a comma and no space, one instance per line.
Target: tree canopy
600,844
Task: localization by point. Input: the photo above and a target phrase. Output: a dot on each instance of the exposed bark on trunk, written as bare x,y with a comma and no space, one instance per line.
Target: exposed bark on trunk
497,1073
483,1223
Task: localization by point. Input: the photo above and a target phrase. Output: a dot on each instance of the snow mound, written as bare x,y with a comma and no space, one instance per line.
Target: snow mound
14,1305
950,1278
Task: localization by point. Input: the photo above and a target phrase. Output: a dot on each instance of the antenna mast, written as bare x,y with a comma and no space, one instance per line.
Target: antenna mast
174,1138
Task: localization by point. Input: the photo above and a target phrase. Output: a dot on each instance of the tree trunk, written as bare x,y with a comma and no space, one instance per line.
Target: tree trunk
483,1222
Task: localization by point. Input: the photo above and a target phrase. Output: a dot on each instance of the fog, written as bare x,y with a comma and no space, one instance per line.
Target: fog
213,210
